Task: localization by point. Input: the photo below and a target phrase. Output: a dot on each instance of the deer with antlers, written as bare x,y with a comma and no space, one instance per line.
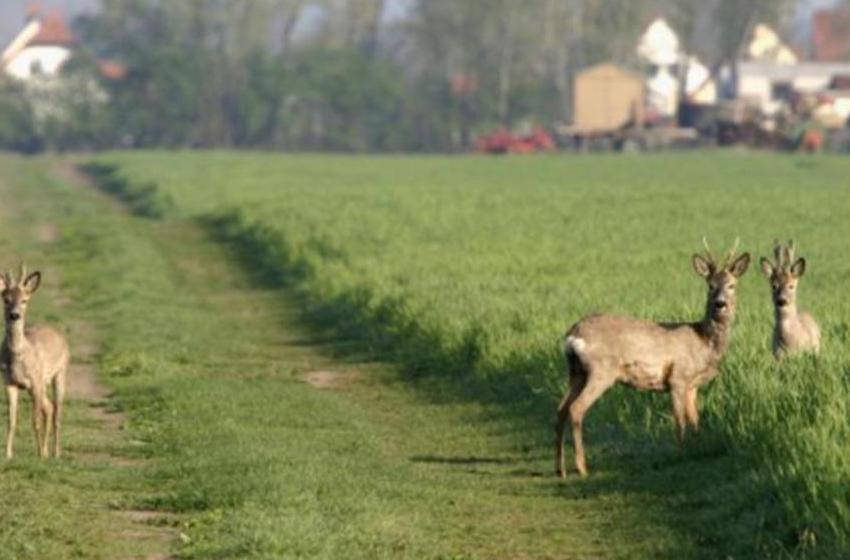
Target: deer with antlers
678,358
32,359
794,330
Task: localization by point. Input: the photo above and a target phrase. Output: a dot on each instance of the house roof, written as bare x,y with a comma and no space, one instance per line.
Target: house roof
608,71
53,31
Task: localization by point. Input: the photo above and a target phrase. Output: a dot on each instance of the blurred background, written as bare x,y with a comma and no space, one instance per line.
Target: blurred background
424,75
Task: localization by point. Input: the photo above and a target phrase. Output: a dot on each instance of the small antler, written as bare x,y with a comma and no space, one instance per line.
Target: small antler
778,253
22,272
790,249
731,254
708,254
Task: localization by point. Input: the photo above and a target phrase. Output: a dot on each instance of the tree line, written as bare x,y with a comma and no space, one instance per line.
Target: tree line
343,75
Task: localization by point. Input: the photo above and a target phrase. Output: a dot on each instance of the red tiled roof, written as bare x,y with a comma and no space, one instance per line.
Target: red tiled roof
831,35
111,69
54,31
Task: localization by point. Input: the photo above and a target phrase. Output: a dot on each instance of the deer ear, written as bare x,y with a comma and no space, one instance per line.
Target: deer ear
766,267
739,267
799,267
32,282
702,266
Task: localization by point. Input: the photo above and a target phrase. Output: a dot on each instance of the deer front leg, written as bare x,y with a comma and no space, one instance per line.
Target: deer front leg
679,398
12,399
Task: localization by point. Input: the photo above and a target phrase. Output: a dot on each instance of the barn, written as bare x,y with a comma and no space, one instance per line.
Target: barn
607,97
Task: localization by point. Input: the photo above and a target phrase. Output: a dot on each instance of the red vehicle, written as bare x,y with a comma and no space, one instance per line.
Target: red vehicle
503,141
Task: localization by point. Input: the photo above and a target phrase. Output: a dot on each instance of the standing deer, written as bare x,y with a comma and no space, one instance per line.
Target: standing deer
794,330
31,359
677,357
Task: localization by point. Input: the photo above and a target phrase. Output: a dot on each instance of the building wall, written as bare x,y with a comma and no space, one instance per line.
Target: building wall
49,58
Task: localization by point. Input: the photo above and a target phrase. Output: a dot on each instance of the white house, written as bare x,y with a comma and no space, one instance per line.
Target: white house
766,46
40,49
769,85
660,48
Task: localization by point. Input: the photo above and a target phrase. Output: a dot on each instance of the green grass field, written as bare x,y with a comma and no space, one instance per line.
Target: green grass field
436,291
469,270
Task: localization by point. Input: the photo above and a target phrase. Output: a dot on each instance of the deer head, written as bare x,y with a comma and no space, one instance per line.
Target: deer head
16,293
721,274
783,274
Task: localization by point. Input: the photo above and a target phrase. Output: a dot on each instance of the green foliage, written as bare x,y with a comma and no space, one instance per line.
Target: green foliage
17,122
473,268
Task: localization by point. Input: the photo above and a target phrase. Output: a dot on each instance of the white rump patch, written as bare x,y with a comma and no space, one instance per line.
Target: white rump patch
575,344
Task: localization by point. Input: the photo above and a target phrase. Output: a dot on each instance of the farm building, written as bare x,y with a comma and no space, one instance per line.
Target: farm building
768,84
41,48
606,98
831,34
659,48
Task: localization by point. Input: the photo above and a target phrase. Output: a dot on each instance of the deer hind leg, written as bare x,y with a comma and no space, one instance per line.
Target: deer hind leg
58,399
42,412
577,381
594,388
12,398
679,399
691,411
36,422
47,422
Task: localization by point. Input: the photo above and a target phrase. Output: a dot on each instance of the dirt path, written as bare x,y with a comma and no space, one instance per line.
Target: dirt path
105,425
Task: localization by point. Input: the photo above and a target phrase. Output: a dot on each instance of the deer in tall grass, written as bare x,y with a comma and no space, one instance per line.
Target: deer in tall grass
794,330
678,358
32,358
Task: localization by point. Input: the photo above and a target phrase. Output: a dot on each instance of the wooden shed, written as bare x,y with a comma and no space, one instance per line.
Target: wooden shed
605,97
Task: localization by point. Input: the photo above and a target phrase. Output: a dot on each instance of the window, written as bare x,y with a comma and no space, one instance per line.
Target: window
781,91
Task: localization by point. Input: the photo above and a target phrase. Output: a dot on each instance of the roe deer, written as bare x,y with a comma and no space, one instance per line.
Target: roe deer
602,350
31,359
793,330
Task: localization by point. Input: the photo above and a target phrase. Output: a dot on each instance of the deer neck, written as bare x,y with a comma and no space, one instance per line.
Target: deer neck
717,331
16,340
786,313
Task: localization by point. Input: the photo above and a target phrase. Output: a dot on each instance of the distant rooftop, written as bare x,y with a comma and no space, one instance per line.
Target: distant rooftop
831,35
53,31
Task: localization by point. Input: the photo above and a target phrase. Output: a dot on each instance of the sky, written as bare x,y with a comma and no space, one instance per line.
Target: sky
12,13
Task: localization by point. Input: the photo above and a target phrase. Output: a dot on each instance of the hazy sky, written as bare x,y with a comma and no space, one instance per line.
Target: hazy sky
12,14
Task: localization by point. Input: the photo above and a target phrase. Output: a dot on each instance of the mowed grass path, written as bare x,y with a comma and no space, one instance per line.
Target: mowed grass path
242,458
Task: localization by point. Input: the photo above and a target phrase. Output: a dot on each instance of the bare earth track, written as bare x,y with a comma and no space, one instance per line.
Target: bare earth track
148,527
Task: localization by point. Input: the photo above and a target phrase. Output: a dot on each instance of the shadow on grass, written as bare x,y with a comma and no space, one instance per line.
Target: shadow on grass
704,483
702,494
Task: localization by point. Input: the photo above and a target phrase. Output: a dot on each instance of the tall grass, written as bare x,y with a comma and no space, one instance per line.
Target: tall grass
472,269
